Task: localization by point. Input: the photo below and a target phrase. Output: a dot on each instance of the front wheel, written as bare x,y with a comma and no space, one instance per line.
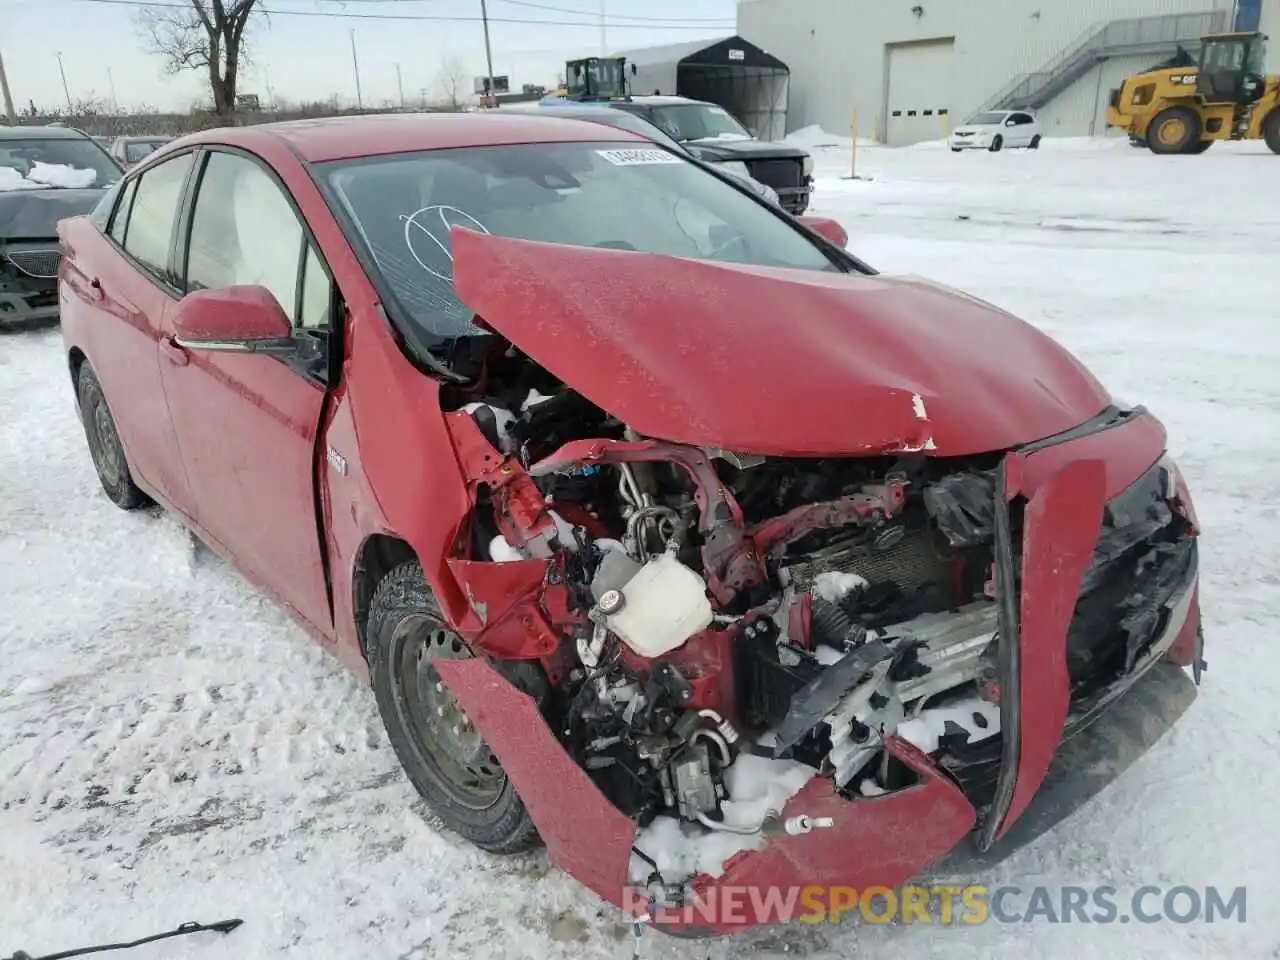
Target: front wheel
1271,130
446,759
1173,130
1200,146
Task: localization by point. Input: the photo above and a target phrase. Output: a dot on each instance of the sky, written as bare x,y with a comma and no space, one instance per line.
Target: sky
302,50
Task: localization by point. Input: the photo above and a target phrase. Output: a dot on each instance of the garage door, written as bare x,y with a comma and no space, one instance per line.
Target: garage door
919,98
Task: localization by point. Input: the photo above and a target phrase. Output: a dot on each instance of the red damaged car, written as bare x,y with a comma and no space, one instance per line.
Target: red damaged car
670,535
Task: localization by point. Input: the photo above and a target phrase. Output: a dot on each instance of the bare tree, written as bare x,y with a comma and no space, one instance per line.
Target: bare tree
451,83
206,35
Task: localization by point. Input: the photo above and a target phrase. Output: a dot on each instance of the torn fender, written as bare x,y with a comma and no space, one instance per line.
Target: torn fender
586,836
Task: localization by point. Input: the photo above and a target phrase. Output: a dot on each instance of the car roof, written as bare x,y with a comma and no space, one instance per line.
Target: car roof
157,138
370,135
42,133
657,101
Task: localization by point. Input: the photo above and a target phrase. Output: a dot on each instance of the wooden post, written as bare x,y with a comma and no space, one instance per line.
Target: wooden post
853,148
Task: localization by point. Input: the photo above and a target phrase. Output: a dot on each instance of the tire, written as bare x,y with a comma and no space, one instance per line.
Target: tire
1173,130
1200,146
406,628
105,447
955,149
1271,130
996,144
1035,143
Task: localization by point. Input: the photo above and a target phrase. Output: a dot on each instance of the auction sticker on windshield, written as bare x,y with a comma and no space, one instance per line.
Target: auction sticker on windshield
635,158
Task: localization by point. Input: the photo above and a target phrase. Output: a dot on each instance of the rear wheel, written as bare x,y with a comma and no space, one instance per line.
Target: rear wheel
996,144
446,759
1271,130
104,443
1035,143
1173,130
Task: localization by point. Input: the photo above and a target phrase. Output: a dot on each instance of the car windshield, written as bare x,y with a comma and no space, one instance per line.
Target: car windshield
699,121
89,163
135,150
623,196
989,119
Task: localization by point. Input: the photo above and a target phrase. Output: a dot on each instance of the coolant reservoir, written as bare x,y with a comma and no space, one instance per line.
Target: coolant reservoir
663,605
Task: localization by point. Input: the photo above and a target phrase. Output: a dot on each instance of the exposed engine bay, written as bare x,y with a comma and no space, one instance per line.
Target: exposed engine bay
732,624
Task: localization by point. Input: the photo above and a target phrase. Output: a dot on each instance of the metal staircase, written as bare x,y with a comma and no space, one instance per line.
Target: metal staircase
1111,38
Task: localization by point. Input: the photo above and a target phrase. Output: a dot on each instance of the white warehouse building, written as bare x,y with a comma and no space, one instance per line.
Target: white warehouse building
910,70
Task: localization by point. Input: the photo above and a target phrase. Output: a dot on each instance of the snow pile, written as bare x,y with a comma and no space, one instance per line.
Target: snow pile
44,175
62,175
11,179
757,786
833,586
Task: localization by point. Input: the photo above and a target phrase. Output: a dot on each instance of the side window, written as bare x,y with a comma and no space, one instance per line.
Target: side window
100,215
121,219
244,232
317,293
151,216
1021,119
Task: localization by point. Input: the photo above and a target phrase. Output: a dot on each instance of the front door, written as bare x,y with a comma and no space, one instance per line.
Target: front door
247,424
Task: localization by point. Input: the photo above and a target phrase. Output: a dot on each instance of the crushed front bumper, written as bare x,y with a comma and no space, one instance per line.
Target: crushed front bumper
1063,487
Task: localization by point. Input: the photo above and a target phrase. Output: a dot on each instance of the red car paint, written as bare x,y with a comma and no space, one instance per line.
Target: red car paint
657,356
293,482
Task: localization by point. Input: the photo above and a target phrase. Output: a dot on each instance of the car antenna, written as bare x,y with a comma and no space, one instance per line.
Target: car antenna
222,926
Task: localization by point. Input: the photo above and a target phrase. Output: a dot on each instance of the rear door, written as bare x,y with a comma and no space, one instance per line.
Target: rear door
121,284
247,424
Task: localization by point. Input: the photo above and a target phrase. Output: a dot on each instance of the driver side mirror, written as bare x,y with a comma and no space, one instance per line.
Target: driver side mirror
244,319
1011,122
828,228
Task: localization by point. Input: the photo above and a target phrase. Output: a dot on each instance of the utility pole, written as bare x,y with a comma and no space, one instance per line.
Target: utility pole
488,54
400,85
65,89
355,64
604,48
111,85
10,114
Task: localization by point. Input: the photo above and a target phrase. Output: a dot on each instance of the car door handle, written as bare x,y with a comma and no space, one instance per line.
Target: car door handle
176,354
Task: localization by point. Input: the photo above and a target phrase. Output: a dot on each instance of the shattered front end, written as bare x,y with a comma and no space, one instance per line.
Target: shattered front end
777,671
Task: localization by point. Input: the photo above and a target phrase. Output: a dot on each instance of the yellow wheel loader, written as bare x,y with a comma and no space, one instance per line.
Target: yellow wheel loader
1187,109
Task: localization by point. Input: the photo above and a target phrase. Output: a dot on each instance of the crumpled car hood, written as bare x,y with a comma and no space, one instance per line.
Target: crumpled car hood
775,361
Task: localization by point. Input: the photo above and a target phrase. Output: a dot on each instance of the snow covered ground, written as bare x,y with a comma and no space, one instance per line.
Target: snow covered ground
173,749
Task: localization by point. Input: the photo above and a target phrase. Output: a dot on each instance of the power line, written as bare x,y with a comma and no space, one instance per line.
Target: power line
334,15
579,12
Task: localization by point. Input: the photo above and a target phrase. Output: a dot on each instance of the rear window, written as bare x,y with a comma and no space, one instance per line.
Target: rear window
625,196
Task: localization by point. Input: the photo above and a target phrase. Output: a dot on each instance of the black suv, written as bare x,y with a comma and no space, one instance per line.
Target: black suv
47,174
720,137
